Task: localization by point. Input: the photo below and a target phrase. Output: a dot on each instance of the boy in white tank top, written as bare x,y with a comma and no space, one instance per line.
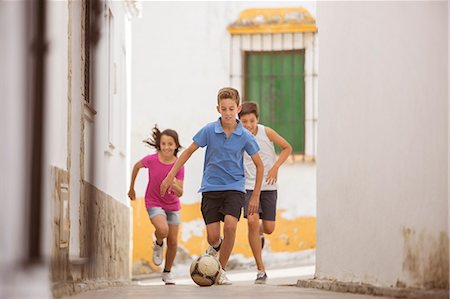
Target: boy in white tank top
265,137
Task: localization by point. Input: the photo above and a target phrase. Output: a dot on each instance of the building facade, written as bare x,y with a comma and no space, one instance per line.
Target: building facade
81,72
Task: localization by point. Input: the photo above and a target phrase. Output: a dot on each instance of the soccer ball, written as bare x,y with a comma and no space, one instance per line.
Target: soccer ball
205,270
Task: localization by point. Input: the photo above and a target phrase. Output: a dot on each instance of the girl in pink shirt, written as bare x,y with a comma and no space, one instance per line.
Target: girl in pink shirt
164,211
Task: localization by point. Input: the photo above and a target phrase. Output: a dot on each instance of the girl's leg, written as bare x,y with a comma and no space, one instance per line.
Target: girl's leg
172,246
229,236
161,227
255,240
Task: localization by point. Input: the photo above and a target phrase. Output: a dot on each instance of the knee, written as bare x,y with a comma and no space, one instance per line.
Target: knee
162,232
213,240
268,229
253,223
229,229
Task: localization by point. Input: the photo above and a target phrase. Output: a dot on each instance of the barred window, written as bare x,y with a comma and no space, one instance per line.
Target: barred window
275,80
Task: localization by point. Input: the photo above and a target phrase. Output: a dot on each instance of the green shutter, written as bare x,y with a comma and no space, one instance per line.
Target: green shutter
275,80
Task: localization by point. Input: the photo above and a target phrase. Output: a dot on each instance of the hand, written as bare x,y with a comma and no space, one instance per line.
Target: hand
171,189
253,205
132,194
272,176
164,186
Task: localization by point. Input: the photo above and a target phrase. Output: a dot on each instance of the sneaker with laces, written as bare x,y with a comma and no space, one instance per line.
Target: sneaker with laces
212,251
157,254
167,277
222,279
261,277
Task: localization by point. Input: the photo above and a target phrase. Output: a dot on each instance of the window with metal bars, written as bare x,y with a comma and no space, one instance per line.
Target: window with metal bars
276,81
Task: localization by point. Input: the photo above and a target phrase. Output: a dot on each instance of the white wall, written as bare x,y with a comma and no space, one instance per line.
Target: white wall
383,142
64,62
57,84
13,124
15,156
110,102
56,138
181,53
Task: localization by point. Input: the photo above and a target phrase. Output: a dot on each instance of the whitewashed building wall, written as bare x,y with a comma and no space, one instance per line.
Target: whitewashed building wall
382,173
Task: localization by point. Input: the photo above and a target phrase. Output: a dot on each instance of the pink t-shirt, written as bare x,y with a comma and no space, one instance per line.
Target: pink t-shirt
157,172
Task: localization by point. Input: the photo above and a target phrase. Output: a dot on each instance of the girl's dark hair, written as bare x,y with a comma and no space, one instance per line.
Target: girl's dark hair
155,140
249,108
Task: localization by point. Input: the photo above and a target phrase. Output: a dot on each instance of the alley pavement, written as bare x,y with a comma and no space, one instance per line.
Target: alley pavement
281,284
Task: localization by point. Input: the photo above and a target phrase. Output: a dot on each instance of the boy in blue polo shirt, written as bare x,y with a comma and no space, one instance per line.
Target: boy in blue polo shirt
223,182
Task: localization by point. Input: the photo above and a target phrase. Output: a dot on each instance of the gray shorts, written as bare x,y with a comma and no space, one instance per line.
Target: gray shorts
267,204
173,217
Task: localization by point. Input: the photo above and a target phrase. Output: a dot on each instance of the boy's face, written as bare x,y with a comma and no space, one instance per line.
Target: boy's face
228,109
250,122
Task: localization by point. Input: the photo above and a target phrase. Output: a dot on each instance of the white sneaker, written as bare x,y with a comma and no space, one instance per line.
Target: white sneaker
167,277
222,279
213,252
157,254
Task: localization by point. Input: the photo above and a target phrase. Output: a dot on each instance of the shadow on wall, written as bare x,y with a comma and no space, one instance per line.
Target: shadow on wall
290,236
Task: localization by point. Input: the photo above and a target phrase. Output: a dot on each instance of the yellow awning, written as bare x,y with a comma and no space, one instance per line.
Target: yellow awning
273,20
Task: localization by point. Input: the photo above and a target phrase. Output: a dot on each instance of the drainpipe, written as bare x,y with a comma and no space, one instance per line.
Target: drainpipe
39,49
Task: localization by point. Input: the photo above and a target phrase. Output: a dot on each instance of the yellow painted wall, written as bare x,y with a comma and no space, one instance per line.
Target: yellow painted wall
290,235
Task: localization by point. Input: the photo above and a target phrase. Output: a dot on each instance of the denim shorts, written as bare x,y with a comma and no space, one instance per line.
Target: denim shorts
173,217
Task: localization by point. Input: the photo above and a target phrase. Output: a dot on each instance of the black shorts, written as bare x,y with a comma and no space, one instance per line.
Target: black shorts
267,204
217,204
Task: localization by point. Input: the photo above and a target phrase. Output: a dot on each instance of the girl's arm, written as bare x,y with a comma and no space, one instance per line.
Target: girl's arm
136,168
286,150
185,155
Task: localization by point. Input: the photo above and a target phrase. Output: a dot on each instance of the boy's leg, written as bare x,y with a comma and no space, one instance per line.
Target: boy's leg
267,226
255,240
213,233
268,203
210,207
229,236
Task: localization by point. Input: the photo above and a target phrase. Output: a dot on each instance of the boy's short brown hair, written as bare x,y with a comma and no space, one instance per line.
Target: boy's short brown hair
228,93
249,108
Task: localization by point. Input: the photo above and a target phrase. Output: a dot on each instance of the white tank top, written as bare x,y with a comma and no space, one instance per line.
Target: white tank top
268,156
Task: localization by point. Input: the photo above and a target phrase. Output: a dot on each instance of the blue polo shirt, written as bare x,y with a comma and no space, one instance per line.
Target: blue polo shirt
224,166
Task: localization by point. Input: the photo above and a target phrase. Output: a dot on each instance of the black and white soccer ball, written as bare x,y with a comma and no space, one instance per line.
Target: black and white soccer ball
205,270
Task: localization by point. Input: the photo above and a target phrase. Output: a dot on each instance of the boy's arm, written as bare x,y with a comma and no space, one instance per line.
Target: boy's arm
136,168
253,205
177,187
286,150
185,155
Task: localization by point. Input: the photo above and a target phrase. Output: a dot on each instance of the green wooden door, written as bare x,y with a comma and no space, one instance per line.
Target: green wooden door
275,80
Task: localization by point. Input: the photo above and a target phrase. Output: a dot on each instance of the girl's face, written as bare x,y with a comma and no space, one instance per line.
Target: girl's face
250,122
167,145
228,110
